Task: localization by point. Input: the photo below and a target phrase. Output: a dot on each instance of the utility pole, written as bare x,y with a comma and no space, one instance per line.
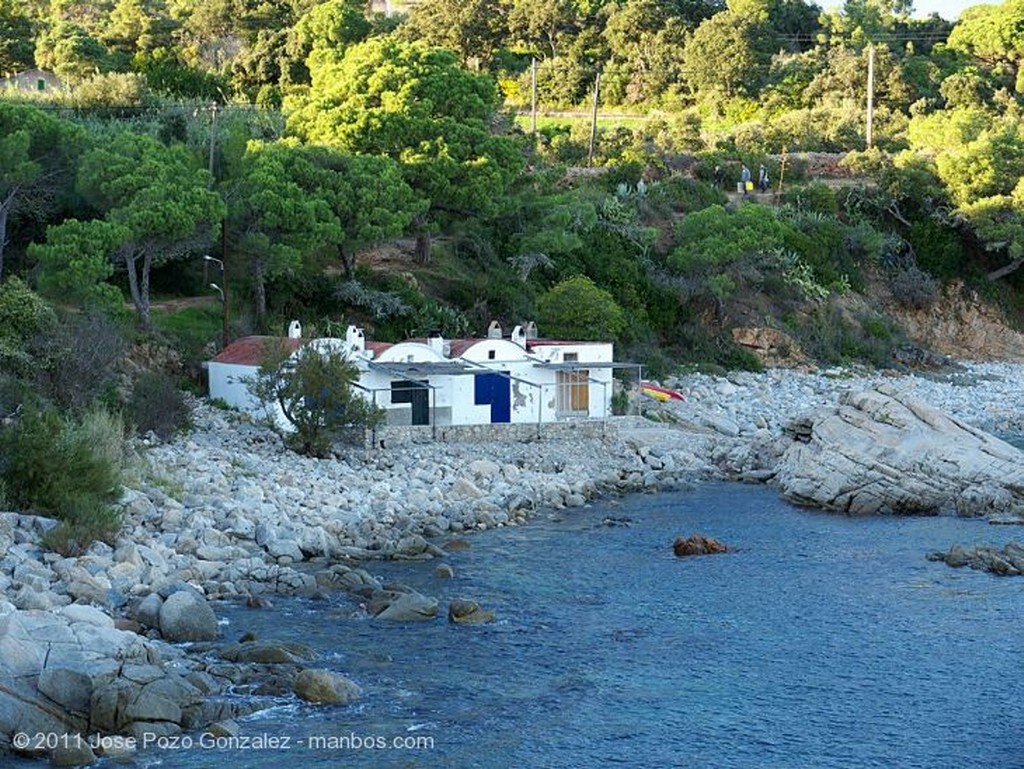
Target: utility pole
213,137
871,93
533,94
593,119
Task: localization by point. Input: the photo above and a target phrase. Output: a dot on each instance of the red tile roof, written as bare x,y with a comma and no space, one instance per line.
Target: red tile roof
378,347
250,350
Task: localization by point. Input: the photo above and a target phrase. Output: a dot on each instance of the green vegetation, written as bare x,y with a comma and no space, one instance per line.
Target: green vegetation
348,168
314,391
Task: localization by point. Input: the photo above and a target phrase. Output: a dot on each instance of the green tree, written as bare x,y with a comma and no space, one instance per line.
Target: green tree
71,52
647,41
993,34
416,106
167,73
729,55
473,29
23,316
324,33
75,263
17,33
315,391
159,200
38,154
137,25
366,193
278,216
541,25
577,308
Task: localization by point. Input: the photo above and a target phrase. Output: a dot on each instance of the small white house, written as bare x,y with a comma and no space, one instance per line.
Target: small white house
492,380
38,80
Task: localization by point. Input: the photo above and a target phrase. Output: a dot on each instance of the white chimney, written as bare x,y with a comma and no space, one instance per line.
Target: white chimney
295,330
494,330
519,336
436,343
530,330
355,339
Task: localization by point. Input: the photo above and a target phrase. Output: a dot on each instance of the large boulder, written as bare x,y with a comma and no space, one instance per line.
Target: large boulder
882,451
186,616
410,607
325,686
462,611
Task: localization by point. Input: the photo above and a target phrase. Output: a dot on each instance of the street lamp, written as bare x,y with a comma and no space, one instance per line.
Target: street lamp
222,291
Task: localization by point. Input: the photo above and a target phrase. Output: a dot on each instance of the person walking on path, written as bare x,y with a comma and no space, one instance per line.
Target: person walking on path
762,179
745,178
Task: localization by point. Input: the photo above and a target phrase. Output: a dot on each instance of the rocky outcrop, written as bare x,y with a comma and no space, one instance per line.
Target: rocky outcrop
70,671
1006,561
881,451
697,544
771,346
961,325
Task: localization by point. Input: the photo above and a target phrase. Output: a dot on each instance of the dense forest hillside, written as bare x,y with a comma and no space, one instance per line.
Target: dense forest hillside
292,143
177,173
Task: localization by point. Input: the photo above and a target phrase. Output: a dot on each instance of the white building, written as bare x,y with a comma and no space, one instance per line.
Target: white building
492,380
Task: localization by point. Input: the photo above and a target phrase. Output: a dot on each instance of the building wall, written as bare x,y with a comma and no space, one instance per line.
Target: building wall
533,390
226,382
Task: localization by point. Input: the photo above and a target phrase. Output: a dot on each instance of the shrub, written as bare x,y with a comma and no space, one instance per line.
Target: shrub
688,195
913,288
577,308
816,196
84,524
157,404
64,469
830,336
78,360
313,391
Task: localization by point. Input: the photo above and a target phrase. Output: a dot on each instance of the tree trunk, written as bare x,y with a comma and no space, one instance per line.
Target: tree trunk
422,241
130,257
348,262
144,319
1005,270
259,294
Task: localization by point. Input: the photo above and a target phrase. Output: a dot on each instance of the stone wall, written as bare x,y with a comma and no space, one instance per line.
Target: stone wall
400,435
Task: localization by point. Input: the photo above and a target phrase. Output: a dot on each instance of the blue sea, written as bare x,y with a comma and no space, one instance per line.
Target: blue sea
820,641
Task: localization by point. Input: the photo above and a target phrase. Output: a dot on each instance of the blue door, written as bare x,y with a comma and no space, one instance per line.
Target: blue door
494,390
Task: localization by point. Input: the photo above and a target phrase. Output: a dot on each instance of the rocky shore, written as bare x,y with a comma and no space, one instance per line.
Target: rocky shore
92,644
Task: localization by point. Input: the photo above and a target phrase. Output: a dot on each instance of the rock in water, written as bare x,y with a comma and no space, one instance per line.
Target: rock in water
324,686
465,612
1008,561
185,616
410,607
881,451
697,544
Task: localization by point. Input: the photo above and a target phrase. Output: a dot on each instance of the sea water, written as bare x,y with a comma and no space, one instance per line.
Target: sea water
819,641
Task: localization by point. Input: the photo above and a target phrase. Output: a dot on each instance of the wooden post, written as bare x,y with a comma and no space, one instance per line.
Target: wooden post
533,95
593,119
871,94
782,171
